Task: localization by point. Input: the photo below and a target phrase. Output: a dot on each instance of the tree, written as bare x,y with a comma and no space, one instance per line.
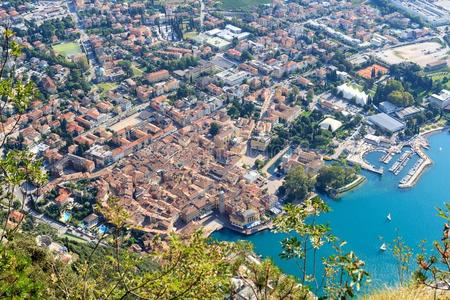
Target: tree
433,271
298,184
402,254
266,281
214,129
310,95
17,166
246,55
400,98
189,268
334,177
344,272
83,62
259,164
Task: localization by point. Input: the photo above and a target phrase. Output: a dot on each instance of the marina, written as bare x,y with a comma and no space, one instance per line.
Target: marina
419,167
398,166
379,208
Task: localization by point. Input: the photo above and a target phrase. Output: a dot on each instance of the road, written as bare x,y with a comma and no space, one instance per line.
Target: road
61,228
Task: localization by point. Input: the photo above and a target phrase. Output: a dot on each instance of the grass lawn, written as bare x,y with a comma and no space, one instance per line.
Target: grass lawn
439,76
136,71
242,4
67,49
106,87
74,238
190,35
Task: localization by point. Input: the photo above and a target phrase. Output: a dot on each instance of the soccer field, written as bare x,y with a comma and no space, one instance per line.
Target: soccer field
242,4
67,49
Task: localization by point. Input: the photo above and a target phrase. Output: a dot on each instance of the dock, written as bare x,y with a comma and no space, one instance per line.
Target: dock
398,166
365,165
415,173
387,157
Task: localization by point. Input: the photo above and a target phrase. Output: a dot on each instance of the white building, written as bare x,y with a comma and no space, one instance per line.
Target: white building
351,93
330,124
440,100
232,78
233,29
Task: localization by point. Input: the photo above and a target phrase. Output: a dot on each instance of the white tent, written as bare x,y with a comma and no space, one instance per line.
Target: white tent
349,93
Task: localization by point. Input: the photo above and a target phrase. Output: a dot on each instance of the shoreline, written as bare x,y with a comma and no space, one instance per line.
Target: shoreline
354,184
434,131
360,179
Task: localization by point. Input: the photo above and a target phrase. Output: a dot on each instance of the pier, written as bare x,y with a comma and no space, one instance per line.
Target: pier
387,157
365,165
398,166
415,173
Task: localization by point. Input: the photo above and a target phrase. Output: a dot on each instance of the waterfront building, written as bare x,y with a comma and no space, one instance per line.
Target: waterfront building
245,219
386,123
440,100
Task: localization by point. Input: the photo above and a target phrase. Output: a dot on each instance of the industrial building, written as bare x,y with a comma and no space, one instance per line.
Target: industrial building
386,123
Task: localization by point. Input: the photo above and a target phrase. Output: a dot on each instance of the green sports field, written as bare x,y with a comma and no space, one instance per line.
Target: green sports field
242,4
67,49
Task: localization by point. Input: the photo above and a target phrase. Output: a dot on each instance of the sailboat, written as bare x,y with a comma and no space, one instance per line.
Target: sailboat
383,247
389,217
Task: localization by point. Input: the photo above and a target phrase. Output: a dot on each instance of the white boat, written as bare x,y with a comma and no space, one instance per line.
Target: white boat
440,148
389,217
383,247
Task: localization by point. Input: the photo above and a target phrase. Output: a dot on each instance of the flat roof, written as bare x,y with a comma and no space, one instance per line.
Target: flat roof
386,122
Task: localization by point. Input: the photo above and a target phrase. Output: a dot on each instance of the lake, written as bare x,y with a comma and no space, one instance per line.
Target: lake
359,216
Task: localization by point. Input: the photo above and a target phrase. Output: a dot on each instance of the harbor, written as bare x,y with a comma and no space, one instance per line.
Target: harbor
416,171
398,166
363,212
402,153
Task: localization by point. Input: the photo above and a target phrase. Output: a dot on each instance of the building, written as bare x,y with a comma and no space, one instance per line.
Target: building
377,140
351,93
232,78
218,43
330,124
386,123
408,112
387,107
440,100
157,76
437,65
245,219
91,220
260,143
100,155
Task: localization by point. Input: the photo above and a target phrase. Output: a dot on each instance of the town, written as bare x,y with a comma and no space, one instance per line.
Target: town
194,115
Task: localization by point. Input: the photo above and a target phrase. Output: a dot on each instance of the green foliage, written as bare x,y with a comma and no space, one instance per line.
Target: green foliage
305,131
50,28
297,184
246,55
259,164
434,271
394,92
402,254
344,272
266,281
214,129
24,270
179,64
245,110
334,176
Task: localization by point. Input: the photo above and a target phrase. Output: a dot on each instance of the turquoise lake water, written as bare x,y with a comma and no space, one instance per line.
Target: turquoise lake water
359,217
